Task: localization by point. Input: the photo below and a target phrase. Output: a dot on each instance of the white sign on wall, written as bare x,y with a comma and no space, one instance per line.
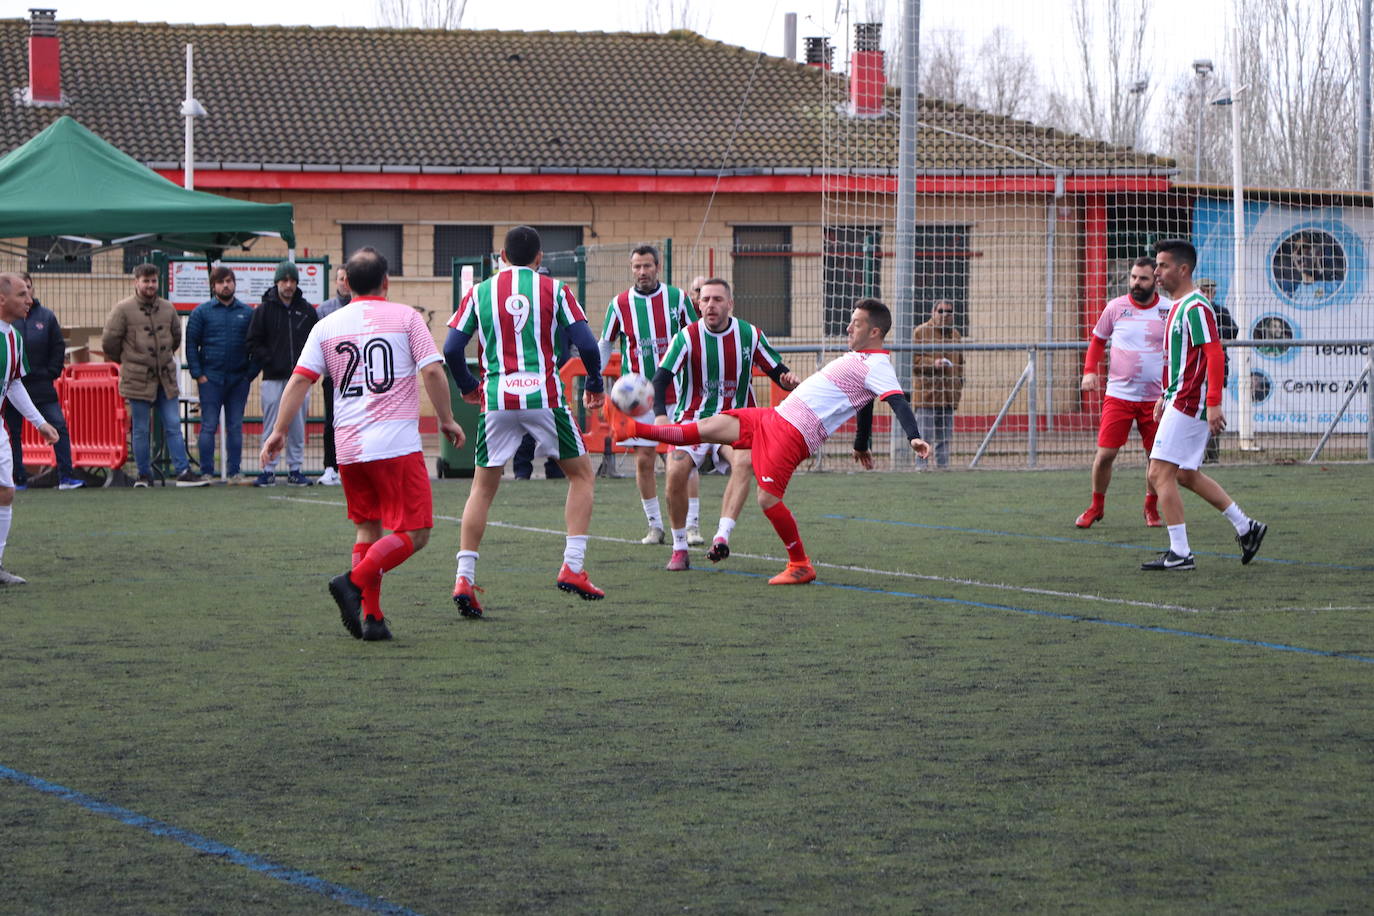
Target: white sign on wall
188,282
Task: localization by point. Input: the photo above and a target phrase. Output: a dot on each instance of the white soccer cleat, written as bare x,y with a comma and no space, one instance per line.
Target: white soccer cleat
9,578
655,536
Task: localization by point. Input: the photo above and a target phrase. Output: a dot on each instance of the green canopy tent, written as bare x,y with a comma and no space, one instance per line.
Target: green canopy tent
66,181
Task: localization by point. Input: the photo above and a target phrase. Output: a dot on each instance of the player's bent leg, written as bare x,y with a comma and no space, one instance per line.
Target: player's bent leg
680,467
1101,480
577,515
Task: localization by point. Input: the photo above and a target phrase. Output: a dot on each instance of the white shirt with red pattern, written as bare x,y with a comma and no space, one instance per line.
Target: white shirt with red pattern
373,350
826,400
1137,356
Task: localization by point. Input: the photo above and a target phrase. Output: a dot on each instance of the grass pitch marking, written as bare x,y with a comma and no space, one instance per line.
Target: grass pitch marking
303,880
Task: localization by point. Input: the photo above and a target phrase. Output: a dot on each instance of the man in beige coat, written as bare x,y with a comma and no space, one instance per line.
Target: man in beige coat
937,381
143,334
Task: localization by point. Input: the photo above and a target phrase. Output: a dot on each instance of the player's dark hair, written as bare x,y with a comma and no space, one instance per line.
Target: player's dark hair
648,249
878,314
1144,261
219,274
366,269
1180,249
522,246
717,281
145,270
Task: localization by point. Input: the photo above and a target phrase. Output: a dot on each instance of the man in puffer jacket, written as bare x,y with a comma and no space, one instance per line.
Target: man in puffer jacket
217,354
276,337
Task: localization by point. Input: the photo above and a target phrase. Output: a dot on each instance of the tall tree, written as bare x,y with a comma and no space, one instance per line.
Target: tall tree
1110,71
421,14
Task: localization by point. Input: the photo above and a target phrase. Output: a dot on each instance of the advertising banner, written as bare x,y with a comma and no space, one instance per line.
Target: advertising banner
188,281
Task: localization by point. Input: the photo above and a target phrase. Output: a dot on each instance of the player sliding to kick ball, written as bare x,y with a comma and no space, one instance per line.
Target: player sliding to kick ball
783,437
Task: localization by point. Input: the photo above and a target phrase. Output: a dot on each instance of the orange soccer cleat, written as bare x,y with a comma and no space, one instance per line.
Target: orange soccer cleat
1089,516
622,425
465,596
579,584
795,574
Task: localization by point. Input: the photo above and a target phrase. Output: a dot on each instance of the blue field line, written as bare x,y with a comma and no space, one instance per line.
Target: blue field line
1059,539
304,880
1073,618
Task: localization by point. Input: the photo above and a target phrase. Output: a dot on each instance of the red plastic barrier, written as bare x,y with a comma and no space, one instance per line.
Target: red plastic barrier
96,415
36,448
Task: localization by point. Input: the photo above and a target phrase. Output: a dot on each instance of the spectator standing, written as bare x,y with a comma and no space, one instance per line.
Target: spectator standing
342,296
14,306
142,334
46,349
276,337
217,355
937,381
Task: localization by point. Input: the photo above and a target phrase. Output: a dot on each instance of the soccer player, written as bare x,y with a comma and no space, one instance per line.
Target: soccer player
713,360
15,302
783,437
644,319
515,316
1134,323
1192,374
376,353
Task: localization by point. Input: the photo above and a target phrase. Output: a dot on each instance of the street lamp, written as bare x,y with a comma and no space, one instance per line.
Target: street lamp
1236,297
1203,69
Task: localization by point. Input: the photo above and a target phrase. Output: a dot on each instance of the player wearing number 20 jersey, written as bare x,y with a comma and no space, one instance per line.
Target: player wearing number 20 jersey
373,350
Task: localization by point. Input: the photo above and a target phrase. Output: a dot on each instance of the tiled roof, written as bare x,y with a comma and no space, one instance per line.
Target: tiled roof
411,100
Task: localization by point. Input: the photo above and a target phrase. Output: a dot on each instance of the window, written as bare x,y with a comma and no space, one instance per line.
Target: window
763,277
560,244
459,242
384,237
51,254
942,271
851,270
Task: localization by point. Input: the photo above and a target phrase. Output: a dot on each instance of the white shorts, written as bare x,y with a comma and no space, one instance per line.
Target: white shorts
499,433
6,461
1180,439
699,452
646,417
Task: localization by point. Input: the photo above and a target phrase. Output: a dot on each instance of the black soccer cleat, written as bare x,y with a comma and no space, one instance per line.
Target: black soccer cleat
1170,560
349,598
375,629
719,551
1250,541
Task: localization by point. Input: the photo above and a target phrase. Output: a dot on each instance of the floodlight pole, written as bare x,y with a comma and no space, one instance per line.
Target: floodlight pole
906,184
190,110
1245,403
1362,143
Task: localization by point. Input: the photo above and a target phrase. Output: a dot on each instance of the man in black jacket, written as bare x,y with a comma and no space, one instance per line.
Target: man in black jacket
276,337
46,349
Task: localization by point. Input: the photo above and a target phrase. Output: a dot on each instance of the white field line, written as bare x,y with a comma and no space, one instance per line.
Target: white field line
868,570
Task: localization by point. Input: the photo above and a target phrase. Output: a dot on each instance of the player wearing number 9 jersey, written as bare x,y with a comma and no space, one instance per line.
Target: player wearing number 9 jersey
377,353
514,316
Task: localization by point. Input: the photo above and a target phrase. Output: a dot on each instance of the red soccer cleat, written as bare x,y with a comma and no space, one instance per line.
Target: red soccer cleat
1089,516
579,584
1152,519
622,425
678,561
464,595
795,574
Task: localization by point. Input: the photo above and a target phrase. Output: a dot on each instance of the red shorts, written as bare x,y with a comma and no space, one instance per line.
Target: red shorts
776,445
393,491
1117,416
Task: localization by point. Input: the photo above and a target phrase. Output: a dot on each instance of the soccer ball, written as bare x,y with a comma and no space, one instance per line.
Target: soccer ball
633,394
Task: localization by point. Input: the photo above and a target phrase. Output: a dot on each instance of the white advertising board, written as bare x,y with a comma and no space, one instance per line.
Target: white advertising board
188,282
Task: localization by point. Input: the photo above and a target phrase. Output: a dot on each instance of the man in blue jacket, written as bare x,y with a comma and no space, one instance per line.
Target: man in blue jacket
217,354
46,349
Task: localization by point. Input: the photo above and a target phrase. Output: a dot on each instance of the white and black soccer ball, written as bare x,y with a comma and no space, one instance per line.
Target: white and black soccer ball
633,394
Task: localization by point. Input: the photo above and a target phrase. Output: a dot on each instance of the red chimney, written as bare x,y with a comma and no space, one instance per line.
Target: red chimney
45,59
819,53
866,78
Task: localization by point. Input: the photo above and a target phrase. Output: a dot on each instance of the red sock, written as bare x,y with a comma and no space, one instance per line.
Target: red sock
785,524
388,553
672,433
360,551
1099,500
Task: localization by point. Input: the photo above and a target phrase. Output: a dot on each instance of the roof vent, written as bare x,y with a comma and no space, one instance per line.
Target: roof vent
45,60
819,53
866,78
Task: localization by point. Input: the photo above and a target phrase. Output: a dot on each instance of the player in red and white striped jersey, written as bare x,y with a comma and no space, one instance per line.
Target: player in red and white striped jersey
515,316
15,301
785,436
375,353
1134,324
712,360
1193,372
643,320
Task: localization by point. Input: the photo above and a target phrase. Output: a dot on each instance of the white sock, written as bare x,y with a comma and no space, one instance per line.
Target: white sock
467,565
1178,540
727,526
575,552
1238,519
652,514
679,538
693,513
6,515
